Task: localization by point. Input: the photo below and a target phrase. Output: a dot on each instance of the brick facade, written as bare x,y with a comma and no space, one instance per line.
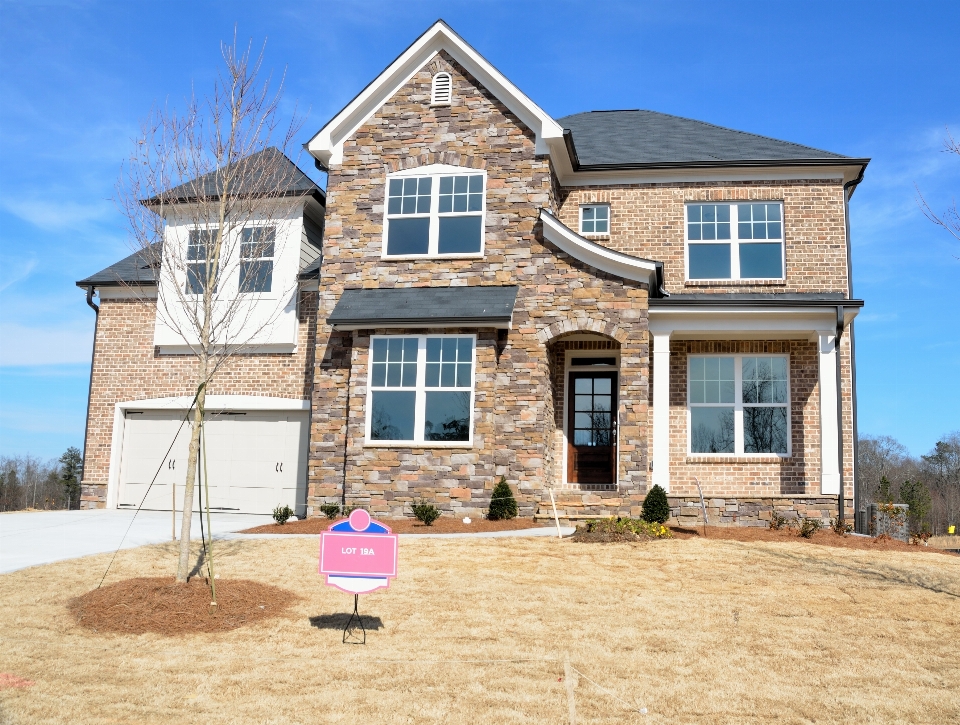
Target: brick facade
647,220
127,366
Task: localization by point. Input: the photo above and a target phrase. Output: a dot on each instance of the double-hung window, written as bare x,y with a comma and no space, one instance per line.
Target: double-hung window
257,246
435,213
739,404
735,241
199,249
421,389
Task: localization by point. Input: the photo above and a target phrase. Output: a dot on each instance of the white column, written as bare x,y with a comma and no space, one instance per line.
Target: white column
661,410
829,444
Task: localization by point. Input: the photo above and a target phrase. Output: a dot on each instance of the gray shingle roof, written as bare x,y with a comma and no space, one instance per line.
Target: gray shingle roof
282,175
425,306
610,139
135,270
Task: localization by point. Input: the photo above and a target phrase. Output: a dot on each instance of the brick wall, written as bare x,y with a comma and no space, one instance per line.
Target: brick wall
732,477
647,220
514,418
126,366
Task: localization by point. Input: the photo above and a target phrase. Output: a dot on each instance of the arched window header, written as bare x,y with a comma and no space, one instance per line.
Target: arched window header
441,92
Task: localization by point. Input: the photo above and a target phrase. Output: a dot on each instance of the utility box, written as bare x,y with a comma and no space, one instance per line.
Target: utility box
889,519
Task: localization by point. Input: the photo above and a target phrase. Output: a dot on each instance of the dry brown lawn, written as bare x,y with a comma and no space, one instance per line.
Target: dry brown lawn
475,631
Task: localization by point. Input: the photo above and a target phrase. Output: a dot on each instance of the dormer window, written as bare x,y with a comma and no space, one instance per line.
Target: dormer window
441,92
435,214
257,245
198,253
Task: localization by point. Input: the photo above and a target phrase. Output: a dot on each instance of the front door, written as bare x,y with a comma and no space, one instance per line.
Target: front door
592,428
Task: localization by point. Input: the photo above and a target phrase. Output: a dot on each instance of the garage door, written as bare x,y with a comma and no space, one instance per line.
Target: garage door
255,460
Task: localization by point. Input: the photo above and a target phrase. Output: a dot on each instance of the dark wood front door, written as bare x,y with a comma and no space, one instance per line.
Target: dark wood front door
592,427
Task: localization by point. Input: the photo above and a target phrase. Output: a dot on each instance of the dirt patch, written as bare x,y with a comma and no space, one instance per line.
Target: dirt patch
162,606
824,537
443,525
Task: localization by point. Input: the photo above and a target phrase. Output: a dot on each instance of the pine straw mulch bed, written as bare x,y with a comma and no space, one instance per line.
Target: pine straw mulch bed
162,606
824,537
443,525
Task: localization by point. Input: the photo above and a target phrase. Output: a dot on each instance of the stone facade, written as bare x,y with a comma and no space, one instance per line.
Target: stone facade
514,416
127,366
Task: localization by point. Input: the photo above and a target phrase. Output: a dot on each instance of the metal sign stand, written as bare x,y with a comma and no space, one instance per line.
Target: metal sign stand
355,615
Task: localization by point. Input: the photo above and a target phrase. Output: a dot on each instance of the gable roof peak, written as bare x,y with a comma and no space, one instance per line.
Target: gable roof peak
327,144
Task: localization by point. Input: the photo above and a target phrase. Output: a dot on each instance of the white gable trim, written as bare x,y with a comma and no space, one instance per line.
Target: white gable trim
606,260
327,145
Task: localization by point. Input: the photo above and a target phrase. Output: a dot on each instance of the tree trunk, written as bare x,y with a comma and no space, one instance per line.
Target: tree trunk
183,567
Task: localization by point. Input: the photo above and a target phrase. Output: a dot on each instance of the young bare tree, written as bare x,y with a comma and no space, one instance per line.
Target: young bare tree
950,219
204,192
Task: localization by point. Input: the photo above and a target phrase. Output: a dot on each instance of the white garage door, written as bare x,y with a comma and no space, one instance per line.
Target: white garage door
255,460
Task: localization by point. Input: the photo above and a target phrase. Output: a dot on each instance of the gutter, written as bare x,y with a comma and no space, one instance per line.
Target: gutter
848,190
93,350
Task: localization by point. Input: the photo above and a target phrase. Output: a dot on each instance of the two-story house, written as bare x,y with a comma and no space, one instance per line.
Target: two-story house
591,304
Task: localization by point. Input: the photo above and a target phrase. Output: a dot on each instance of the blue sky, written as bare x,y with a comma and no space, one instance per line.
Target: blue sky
860,78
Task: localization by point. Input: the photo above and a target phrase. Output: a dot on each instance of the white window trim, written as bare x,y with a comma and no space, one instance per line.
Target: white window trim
421,397
435,171
567,368
734,242
738,406
594,234
189,262
272,294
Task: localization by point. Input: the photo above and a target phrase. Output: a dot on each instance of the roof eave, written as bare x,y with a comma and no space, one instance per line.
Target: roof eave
317,194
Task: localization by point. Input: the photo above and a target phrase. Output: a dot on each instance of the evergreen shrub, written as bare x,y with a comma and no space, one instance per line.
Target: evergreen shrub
656,508
502,504
281,514
330,510
425,512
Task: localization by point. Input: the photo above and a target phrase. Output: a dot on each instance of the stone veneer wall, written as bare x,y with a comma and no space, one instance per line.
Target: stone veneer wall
647,220
514,418
127,366
747,511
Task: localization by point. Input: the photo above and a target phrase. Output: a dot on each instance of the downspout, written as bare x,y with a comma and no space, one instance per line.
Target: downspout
848,189
93,352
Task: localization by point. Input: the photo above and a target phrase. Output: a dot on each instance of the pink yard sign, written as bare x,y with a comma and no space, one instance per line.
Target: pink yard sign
358,555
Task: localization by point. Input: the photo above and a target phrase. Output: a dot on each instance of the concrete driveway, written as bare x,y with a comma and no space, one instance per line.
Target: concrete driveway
43,537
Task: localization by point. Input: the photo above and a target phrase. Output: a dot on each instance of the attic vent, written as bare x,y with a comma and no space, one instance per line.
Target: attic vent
442,90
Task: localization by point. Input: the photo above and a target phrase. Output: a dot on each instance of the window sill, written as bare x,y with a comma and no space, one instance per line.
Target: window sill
428,257
723,458
420,446
595,237
735,283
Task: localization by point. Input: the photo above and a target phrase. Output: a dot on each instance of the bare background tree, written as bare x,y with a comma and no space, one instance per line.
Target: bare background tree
930,484
27,482
950,219
204,192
